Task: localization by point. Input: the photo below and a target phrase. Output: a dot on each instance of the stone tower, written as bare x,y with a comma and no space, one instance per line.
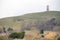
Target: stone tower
47,7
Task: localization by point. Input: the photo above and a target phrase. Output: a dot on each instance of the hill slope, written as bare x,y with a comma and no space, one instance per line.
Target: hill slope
41,20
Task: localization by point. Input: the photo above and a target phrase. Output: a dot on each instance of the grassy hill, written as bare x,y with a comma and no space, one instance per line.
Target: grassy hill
37,19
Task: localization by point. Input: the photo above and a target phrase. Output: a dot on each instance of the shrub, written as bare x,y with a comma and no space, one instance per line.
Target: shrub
9,29
42,31
58,38
17,35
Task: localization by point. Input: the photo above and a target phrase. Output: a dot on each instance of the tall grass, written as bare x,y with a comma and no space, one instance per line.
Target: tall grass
5,38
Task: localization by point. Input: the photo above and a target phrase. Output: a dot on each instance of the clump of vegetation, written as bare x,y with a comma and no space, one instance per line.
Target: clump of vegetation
1,38
58,38
17,35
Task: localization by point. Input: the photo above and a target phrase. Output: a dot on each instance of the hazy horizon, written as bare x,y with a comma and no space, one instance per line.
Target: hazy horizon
20,7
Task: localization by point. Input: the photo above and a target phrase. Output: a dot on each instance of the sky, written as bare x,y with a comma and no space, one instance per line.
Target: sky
10,8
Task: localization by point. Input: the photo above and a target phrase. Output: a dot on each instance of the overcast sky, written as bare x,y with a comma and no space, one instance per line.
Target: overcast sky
19,7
